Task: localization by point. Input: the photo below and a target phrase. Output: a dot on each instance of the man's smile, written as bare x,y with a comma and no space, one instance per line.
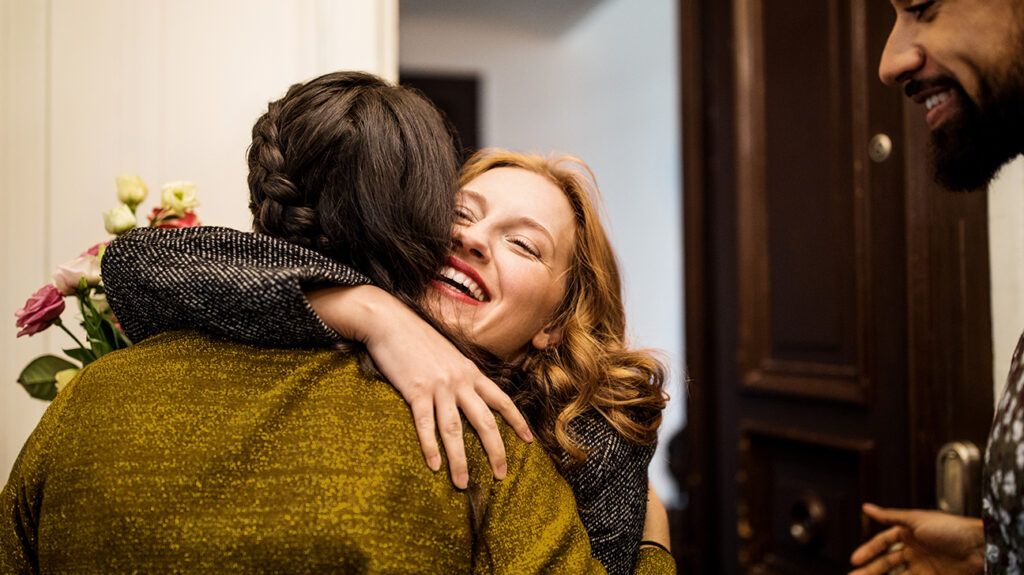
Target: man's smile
940,100
941,107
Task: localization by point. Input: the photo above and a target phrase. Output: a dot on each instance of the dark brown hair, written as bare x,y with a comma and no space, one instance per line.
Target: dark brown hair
361,171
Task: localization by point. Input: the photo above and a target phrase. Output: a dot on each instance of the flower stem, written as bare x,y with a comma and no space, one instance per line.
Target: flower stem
61,325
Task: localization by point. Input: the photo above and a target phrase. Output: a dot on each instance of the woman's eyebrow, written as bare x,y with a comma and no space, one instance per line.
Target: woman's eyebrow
534,224
475,196
526,221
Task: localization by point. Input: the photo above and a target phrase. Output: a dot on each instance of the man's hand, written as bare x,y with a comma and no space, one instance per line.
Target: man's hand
923,542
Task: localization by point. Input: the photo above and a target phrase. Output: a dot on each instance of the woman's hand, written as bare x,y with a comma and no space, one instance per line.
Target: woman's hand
431,374
922,542
656,521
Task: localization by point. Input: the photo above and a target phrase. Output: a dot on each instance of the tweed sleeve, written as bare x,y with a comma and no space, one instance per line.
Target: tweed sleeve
611,492
244,286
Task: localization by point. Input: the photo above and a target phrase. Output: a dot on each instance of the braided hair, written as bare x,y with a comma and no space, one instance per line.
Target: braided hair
361,171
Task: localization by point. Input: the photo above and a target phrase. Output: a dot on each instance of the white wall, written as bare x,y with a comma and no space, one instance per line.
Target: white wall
604,90
168,89
1006,246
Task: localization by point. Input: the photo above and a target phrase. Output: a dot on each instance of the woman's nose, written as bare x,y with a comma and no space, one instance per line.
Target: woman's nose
469,241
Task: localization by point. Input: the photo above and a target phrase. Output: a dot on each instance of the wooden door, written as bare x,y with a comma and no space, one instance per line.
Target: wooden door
837,305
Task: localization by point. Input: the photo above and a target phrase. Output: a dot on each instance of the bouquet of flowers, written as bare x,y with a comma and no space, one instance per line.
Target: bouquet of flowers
80,278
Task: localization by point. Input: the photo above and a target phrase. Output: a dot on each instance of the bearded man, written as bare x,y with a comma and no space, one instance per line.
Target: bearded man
963,62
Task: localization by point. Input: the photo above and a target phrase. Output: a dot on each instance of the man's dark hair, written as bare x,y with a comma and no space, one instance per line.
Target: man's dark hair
361,171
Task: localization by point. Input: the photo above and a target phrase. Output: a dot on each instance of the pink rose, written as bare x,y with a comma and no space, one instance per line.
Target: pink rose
40,311
162,218
95,250
68,275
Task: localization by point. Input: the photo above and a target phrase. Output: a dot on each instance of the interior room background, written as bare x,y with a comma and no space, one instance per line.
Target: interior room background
169,89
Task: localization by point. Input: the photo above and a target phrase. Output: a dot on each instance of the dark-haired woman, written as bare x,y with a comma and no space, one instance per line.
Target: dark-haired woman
595,411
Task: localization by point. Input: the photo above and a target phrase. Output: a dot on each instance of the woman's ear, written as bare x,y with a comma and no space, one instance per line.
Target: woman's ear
547,337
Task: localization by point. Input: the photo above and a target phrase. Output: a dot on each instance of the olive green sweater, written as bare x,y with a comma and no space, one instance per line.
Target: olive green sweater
190,454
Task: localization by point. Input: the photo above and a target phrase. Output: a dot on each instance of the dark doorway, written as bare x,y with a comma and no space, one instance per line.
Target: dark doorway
838,315
458,96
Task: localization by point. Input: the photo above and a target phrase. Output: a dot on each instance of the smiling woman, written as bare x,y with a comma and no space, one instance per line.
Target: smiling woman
528,226
513,240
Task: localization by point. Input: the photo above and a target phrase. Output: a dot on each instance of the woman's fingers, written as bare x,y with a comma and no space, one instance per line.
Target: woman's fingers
423,417
450,425
482,420
499,401
878,545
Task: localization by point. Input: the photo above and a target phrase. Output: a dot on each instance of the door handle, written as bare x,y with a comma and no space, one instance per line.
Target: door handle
958,478
808,519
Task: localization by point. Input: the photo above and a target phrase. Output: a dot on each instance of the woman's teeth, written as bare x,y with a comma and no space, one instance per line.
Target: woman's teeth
935,100
461,280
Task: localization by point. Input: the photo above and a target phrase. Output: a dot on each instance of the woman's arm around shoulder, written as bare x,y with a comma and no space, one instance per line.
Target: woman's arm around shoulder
244,286
251,288
611,489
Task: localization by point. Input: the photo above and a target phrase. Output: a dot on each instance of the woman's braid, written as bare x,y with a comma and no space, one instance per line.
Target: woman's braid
361,171
279,208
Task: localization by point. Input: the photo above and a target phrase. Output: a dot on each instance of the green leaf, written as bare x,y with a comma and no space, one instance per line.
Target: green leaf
121,341
82,355
99,347
107,329
38,377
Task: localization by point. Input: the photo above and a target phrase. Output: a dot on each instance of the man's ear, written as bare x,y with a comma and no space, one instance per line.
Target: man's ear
547,337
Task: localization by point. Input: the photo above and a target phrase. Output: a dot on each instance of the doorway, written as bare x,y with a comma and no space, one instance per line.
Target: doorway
838,320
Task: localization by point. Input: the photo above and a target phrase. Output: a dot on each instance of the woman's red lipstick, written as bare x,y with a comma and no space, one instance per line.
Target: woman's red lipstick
447,283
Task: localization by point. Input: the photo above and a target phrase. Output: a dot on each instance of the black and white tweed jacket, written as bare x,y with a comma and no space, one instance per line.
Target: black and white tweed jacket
249,288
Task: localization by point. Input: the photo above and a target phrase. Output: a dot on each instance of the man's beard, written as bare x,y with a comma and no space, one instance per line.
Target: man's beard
968,150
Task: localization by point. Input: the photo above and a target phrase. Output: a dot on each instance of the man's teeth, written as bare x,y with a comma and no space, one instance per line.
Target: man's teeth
463,280
935,100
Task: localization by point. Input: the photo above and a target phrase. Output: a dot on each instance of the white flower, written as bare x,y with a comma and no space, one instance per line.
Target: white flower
119,220
99,301
1010,485
64,376
69,275
178,197
131,190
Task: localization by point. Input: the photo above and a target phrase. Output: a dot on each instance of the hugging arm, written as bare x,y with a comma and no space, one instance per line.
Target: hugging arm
250,288
611,491
246,287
